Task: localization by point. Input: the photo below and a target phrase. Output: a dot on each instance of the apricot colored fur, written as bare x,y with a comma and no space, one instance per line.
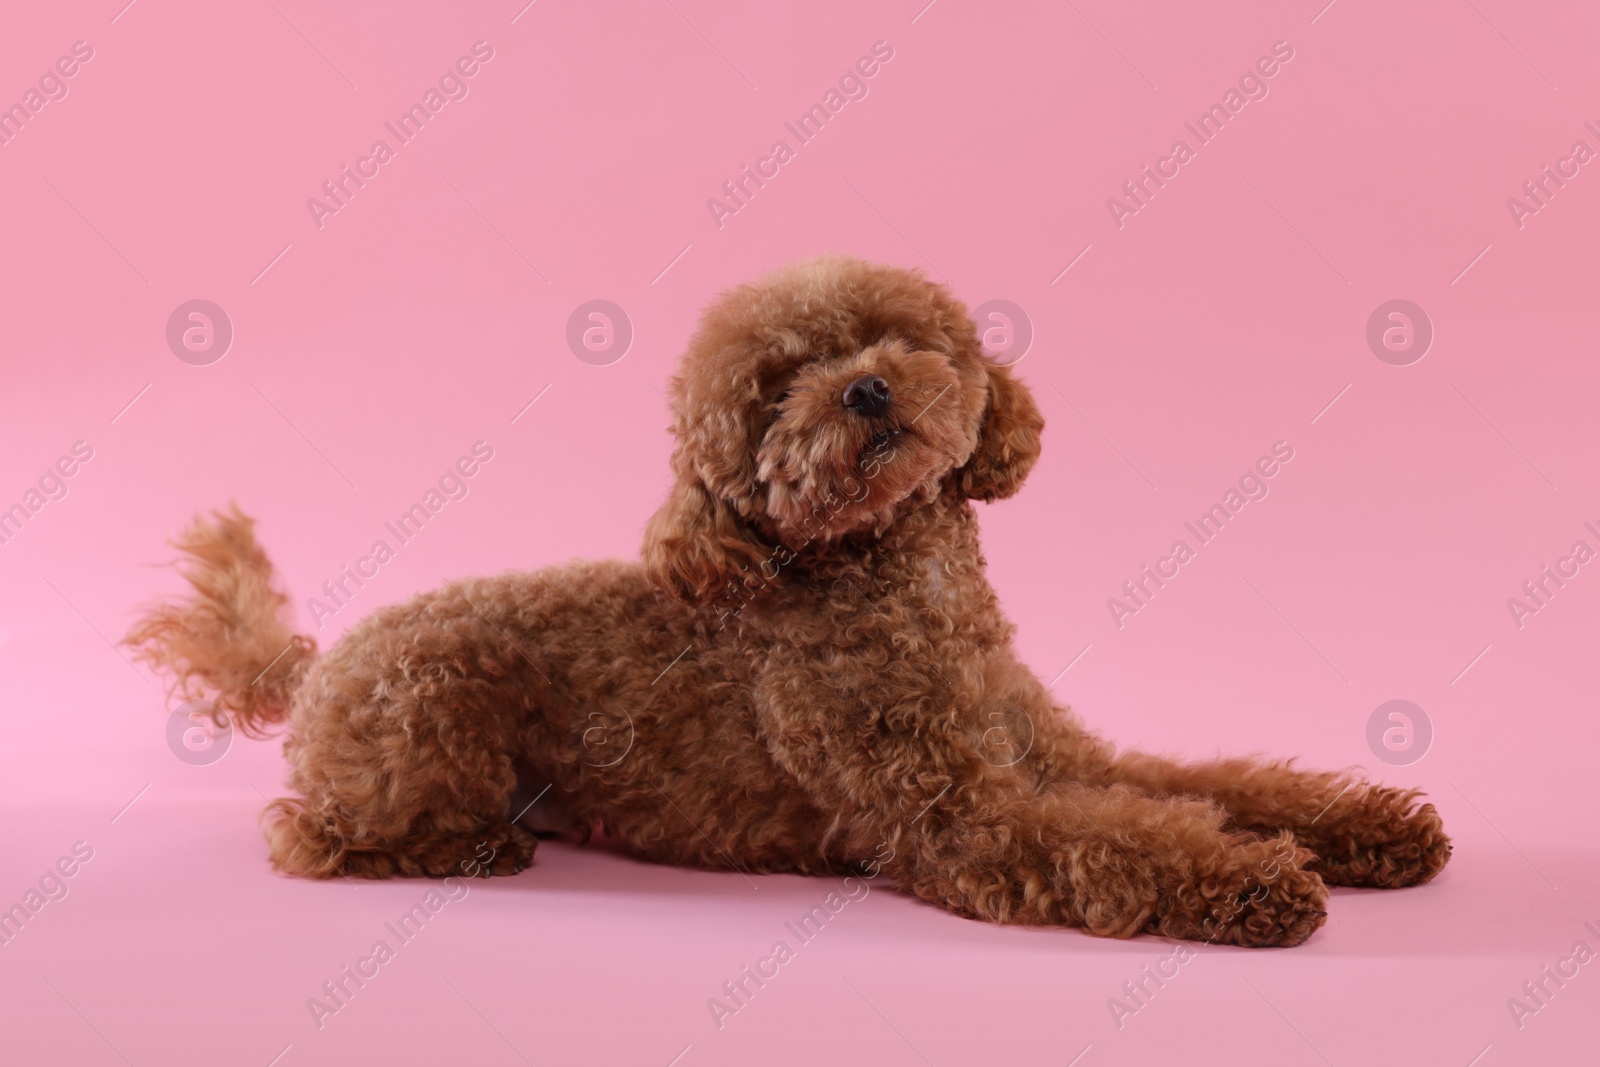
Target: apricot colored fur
807,672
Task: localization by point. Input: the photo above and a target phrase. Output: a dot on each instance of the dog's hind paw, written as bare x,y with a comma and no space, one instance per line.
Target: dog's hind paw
503,850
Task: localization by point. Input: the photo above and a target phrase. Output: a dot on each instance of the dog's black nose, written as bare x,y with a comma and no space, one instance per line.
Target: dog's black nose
868,395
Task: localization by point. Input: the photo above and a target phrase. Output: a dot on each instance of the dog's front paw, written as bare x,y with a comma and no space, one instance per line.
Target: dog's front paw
1257,894
1379,838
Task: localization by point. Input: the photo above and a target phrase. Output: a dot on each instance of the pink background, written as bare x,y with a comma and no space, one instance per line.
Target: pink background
425,315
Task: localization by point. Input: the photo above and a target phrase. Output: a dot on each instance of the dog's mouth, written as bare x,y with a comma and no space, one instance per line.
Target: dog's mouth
880,447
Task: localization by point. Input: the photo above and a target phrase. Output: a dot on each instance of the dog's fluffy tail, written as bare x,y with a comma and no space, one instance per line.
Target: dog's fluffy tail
228,641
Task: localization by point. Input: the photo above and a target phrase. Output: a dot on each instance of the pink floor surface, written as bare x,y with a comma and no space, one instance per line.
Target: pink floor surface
1172,335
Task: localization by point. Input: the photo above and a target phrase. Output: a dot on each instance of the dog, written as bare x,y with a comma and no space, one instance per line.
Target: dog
806,672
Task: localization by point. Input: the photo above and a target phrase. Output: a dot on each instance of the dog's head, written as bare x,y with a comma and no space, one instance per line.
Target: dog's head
828,399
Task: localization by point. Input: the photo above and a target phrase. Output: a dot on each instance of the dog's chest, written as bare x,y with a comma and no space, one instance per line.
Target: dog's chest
937,588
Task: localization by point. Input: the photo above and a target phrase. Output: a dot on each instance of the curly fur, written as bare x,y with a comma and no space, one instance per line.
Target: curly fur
806,672
230,639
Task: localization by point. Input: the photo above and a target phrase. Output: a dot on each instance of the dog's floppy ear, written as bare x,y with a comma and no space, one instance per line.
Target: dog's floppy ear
1008,442
695,545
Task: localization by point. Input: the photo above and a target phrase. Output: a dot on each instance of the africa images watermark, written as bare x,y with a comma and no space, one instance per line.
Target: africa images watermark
452,85
1139,992
1539,191
52,485
1538,592
742,591
52,86
452,485
737,992
339,991
1252,86
1537,993
852,85
52,887
1252,485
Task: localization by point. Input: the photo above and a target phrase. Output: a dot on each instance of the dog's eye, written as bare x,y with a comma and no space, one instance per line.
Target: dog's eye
782,397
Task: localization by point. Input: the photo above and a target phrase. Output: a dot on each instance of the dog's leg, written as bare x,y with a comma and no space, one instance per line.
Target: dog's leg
1361,834
989,842
1112,860
317,842
1116,862
403,740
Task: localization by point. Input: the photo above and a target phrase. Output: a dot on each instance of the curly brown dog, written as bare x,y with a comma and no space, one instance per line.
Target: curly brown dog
807,672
